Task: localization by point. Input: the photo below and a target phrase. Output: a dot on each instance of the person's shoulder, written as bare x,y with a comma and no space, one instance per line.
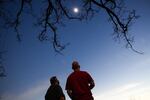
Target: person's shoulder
58,86
71,74
84,72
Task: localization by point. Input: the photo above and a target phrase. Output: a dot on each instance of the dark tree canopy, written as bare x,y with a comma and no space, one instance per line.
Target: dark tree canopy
54,12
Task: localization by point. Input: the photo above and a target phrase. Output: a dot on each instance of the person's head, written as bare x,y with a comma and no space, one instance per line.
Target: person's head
75,65
54,80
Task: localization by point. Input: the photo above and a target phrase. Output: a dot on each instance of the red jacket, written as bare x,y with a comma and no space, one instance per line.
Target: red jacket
79,82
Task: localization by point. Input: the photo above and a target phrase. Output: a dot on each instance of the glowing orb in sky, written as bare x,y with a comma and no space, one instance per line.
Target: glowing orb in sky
75,10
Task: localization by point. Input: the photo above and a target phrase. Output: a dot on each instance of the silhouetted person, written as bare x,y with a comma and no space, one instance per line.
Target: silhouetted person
79,84
55,91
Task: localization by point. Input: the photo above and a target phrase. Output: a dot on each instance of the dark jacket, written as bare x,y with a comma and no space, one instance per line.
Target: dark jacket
54,92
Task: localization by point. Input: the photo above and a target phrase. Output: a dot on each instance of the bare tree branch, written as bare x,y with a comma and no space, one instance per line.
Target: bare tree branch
56,11
121,28
17,21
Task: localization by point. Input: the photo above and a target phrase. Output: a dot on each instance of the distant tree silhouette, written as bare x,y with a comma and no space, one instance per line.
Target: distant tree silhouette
2,69
55,12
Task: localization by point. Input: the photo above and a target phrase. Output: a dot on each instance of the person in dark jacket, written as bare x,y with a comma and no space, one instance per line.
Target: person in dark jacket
55,91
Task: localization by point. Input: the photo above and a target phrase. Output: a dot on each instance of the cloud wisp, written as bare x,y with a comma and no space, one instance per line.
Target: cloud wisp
38,91
131,91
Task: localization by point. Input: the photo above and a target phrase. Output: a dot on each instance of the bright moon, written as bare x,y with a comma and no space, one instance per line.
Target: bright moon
75,10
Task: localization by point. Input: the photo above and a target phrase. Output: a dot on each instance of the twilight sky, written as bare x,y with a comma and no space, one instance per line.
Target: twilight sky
119,73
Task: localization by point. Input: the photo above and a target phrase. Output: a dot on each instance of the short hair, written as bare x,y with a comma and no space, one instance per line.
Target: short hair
75,65
53,79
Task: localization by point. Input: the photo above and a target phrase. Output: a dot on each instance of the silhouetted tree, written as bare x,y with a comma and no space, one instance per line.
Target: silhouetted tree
2,69
55,12
2,52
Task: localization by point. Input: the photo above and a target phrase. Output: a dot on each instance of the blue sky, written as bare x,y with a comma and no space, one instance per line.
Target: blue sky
119,73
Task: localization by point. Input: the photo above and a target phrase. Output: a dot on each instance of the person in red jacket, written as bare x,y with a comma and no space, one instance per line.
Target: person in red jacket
79,84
